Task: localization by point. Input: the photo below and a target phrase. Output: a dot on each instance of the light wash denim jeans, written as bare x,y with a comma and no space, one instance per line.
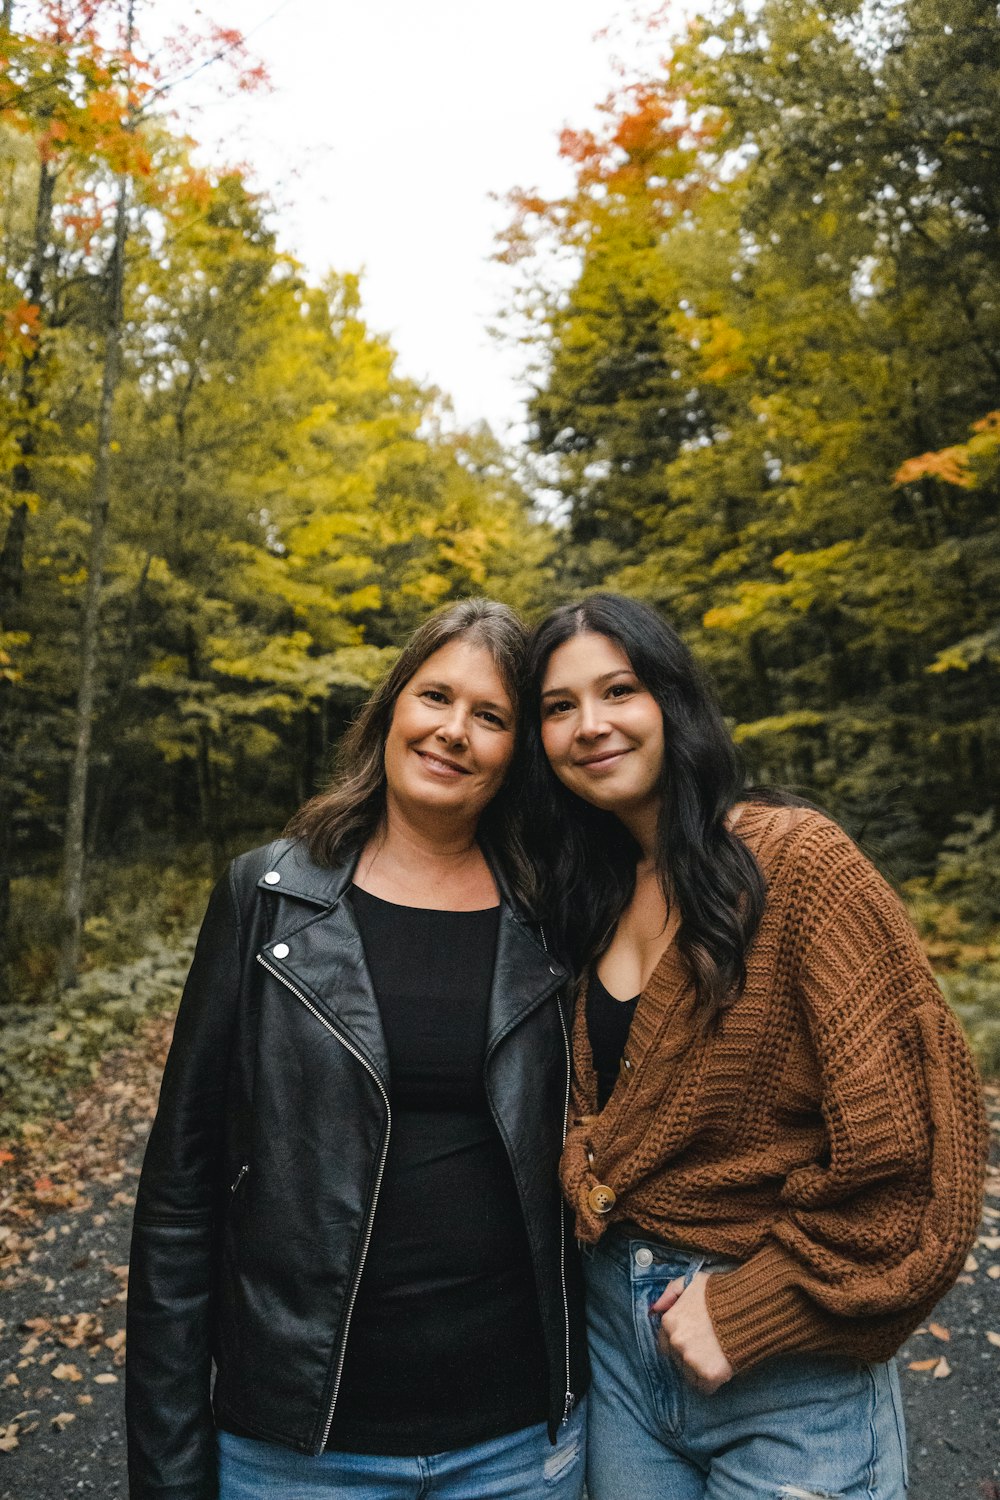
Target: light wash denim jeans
796,1427
522,1465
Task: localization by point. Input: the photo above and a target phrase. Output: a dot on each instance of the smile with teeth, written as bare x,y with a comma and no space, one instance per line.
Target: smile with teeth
439,766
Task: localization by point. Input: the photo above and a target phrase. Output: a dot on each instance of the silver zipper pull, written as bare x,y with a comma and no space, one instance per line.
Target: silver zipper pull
239,1177
568,1408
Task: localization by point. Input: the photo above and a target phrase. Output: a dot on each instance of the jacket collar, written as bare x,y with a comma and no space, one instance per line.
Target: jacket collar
327,957
300,876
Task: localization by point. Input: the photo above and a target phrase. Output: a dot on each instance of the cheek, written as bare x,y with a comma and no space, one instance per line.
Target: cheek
497,758
553,740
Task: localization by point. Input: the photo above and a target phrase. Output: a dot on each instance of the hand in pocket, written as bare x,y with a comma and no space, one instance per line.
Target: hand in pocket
686,1336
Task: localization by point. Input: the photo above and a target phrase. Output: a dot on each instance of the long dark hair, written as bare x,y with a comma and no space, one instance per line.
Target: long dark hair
586,858
352,808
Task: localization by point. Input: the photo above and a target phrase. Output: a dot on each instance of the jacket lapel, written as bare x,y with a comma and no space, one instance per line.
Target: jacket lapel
325,958
316,949
524,976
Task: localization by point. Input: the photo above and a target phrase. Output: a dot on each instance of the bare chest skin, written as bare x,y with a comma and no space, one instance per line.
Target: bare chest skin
644,932
408,876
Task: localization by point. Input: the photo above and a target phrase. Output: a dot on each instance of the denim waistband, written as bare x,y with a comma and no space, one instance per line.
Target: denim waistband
647,1258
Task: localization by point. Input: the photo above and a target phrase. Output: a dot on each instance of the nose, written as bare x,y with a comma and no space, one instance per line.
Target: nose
592,721
453,729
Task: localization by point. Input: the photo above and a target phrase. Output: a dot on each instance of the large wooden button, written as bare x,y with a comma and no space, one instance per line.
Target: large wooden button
601,1199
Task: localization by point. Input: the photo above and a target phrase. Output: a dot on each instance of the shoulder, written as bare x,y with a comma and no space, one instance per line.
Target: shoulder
827,890
801,845
253,864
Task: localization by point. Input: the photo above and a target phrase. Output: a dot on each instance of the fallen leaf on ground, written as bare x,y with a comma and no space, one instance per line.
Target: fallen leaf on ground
921,1364
994,1339
106,1378
63,1419
939,1331
8,1437
66,1372
971,1263
942,1369
993,1272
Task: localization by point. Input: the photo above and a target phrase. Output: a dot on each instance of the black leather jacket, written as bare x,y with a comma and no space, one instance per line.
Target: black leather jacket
263,1168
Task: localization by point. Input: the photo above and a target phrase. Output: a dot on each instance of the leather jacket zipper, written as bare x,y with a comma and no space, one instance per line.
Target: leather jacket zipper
570,1400
239,1178
375,1192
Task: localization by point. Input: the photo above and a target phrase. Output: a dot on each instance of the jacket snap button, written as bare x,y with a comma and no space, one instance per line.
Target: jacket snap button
280,950
601,1199
272,877
643,1257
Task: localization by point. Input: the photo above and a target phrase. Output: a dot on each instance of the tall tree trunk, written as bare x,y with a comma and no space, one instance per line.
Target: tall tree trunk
112,719
76,809
12,551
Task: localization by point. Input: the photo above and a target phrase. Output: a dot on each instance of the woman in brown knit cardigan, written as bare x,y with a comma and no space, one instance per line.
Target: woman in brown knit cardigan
776,1139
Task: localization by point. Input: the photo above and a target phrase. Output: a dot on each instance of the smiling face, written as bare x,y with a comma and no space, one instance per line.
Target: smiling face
451,739
601,727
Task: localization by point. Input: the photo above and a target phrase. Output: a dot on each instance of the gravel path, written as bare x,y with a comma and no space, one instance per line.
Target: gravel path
65,1213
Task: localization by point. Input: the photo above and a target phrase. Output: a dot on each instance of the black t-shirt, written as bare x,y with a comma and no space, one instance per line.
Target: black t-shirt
445,1346
608,1024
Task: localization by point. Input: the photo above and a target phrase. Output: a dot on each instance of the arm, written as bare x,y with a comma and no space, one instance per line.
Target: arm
876,1231
171,1434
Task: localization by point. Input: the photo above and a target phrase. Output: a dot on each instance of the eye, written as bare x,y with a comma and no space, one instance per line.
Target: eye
494,720
556,706
621,689
434,694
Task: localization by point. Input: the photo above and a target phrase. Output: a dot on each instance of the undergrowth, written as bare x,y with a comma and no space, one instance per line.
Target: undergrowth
135,957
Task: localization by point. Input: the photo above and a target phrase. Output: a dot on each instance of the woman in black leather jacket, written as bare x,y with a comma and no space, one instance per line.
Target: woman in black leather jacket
349,1203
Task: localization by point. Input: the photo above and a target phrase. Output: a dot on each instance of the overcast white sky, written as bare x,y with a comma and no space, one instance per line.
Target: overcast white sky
389,125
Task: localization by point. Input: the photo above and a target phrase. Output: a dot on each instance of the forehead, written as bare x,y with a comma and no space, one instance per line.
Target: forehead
466,666
582,658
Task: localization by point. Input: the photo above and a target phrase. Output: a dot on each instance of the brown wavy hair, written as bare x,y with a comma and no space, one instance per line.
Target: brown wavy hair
352,808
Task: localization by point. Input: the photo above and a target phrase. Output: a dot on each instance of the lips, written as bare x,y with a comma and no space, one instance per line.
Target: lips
440,765
605,757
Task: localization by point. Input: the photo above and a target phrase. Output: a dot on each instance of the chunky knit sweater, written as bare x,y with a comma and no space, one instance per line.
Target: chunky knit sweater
828,1132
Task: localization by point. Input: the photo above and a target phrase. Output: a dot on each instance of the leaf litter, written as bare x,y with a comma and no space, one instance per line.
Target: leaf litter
66,1191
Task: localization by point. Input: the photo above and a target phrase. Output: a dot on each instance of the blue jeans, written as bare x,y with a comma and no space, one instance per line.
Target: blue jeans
519,1466
794,1427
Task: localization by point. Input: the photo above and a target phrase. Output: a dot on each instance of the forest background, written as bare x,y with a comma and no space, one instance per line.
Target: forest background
762,333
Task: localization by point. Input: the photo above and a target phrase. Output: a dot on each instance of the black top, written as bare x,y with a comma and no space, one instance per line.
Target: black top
608,1023
445,1346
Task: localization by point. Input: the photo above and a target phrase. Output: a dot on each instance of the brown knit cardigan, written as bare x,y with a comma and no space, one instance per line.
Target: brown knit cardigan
828,1132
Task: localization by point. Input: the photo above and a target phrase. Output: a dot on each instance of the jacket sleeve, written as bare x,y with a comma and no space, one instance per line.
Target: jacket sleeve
171,1434
873,1233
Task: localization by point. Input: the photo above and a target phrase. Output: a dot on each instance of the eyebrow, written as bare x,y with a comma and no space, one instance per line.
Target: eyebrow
449,687
600,681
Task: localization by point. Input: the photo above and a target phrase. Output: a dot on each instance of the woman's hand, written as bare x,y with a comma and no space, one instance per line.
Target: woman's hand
687,1337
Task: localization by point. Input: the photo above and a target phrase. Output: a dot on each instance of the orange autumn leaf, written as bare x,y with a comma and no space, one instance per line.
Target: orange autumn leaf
922,1364
950,464
939,1331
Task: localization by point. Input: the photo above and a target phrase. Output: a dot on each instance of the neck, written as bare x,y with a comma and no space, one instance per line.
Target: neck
412,841
643,824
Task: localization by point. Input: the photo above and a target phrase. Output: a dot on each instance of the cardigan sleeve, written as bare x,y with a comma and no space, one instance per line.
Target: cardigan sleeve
873,1233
